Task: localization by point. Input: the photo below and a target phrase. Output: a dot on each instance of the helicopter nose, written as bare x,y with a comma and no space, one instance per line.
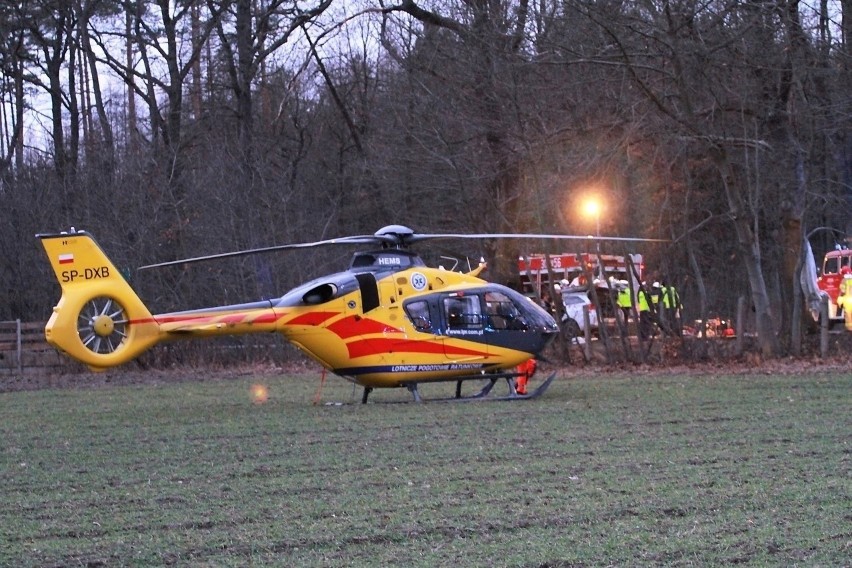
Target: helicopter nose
541,332
548,334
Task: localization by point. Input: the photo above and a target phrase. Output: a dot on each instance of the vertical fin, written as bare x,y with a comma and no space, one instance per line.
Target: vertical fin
99,320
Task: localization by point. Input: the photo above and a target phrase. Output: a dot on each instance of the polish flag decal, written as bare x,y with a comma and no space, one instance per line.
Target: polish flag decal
66,258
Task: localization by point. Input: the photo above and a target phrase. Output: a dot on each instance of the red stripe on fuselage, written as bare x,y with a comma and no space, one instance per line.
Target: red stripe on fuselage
267,316
184,319
354,325
312,318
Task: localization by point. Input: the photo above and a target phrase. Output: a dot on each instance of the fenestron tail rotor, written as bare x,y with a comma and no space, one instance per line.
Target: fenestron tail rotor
103,325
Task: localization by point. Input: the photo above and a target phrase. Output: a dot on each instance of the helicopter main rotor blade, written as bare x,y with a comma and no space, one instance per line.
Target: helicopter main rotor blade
361,239
397,236
591,238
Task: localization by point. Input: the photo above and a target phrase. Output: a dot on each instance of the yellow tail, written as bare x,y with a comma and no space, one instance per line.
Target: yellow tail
99,320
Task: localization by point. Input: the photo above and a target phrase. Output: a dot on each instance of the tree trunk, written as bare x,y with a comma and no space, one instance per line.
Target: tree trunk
195,93
244,77
73,111
60,157
106,148
132,126
749,245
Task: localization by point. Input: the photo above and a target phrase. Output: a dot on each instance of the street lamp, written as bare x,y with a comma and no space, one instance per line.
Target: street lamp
592,208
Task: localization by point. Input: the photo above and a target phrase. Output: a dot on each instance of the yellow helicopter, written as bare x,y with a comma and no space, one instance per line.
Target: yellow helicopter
388,321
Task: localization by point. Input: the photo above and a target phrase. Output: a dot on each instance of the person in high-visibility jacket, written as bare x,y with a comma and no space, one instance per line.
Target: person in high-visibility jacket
525,372
624,300
646,317
844,299
655,294
671,307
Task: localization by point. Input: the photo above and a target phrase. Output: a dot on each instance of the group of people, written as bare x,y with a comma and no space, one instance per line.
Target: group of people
658,307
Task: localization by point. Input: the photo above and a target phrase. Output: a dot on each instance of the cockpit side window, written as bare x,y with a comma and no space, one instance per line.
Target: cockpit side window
463,312
418,313
502,313
320,294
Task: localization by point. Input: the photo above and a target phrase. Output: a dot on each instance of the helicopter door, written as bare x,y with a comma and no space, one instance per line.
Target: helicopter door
463,319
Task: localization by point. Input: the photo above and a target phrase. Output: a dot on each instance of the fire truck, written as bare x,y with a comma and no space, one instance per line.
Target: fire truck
537,276
830,277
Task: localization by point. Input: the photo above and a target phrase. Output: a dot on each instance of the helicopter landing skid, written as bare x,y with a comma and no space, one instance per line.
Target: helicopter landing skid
482,394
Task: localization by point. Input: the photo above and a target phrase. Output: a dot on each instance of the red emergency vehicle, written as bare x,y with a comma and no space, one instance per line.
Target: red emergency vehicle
830,277
537,276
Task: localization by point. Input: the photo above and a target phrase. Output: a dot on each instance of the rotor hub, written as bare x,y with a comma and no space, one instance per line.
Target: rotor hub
103,325
394,236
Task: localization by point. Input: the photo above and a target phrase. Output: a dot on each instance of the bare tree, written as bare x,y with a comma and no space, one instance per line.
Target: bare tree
85,10
48,25
12,57
259,30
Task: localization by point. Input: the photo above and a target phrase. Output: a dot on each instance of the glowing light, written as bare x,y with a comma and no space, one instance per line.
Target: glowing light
259,393
592,208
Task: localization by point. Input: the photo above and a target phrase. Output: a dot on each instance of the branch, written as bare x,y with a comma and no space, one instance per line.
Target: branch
730,141
412,9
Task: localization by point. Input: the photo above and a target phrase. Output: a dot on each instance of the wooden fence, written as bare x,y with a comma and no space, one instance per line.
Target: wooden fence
24,350
23,347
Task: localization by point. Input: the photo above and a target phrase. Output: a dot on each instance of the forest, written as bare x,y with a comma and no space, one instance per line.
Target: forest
177,128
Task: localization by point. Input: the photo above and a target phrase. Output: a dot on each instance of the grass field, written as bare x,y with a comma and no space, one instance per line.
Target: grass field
648,470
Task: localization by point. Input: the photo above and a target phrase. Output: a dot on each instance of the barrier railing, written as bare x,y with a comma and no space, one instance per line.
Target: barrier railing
22,346
23,349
